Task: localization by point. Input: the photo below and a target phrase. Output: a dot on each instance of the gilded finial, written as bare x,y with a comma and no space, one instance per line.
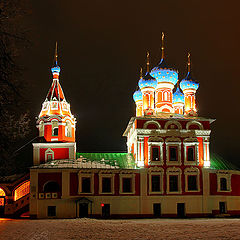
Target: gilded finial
56,55
141,72
162,48
148,62
189,62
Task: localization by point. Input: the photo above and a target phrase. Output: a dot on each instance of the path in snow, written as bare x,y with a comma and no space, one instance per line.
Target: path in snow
120,229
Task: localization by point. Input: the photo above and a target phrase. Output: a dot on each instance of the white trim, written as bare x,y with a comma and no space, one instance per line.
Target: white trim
162,85
153,172
187,143
165,106
191,171
106,175
126,175
172,171
52,103
194,123
173,142
155,141
168,123
227,176
49,151
85,175
152,122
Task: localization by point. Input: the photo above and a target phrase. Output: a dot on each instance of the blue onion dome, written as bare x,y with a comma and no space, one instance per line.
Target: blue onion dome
189,82
178,96
163,73
147,81
137,96
55,69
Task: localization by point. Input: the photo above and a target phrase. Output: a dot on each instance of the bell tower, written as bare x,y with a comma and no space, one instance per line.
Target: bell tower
55,123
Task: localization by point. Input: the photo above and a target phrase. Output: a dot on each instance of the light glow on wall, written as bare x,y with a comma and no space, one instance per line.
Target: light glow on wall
2,195
22,190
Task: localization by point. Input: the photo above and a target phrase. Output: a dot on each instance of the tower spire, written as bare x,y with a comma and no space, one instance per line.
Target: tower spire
141,72
56,54
189,62
148,62
162,47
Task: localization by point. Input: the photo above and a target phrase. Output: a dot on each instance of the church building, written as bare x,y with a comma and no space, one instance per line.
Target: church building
167,170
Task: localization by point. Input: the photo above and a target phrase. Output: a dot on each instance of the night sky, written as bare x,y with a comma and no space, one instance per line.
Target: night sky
103,44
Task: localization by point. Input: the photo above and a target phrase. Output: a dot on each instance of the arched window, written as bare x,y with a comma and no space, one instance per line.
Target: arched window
55,128
223,184
51,187
41,129
165,96
68,129
22,190
2,197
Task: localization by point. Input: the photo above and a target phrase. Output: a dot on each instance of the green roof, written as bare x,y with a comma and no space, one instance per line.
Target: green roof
219,163
121,160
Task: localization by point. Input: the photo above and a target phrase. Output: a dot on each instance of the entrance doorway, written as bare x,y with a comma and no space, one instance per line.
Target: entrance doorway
222,207
83,210
157,209
106,210
181,210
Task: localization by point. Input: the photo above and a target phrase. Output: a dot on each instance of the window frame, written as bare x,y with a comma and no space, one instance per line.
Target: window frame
82,175
192,171
153,172
171,172
173,142
127,175
54,127
106,175
155,142
191,142
49,152
228,177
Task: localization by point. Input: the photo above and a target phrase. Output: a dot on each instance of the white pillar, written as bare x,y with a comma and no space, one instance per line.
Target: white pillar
206,153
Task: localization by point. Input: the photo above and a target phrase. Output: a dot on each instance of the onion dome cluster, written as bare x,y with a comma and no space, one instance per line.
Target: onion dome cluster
147,81
189,83
178,96
137,96
162,73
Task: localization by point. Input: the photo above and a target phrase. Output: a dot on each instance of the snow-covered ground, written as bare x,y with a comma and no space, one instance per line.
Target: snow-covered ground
120,229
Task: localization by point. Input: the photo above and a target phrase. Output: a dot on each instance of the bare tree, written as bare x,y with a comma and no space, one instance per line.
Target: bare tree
14,120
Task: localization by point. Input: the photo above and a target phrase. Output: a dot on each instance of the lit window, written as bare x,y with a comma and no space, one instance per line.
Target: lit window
2,197
22,190
155,153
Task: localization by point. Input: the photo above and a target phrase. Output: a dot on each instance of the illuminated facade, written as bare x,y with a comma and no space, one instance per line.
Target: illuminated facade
167,170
